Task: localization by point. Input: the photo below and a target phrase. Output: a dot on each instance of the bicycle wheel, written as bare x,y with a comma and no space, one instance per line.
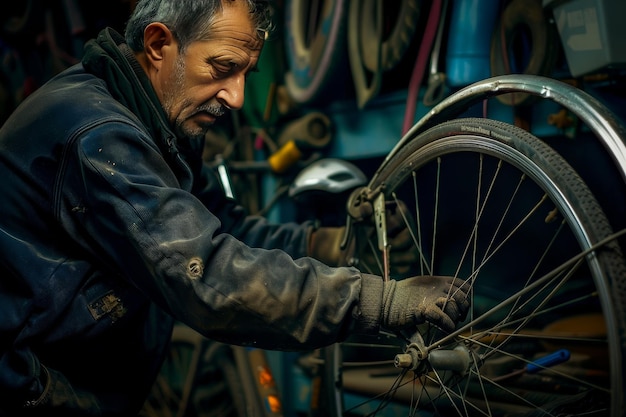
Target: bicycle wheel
546,332
202,378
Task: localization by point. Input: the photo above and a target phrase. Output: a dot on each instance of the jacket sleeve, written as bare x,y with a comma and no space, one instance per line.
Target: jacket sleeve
122,201
253,230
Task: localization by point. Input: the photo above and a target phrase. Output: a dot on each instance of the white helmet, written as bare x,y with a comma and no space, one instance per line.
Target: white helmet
327,176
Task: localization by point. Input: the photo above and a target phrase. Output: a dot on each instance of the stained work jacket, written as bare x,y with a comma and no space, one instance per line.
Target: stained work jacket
112,228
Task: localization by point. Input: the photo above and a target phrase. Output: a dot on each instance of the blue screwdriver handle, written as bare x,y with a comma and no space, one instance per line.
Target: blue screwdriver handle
555,358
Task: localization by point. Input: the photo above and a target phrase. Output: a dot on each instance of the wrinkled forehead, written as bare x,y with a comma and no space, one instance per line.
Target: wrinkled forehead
235,24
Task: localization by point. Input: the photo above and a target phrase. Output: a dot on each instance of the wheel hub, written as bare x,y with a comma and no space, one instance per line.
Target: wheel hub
418,358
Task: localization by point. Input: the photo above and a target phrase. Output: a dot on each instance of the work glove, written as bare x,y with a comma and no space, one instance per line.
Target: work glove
439,300
325,242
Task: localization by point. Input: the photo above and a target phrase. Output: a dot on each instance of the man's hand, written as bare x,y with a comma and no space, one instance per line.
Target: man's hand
325,243
441,301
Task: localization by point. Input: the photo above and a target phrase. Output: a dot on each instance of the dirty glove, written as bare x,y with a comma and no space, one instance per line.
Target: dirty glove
325,242
441,301
325,245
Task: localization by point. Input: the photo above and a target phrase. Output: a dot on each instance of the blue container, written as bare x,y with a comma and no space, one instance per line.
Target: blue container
469,40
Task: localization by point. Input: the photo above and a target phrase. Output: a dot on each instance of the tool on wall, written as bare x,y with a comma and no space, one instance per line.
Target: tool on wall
420,64
299,139
436,89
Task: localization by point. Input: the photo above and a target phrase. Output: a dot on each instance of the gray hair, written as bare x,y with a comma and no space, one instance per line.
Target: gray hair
189,20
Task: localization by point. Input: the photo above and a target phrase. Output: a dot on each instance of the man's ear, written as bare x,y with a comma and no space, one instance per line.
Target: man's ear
157,38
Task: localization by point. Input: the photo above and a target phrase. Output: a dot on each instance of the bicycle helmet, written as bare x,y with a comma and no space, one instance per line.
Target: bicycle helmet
326,177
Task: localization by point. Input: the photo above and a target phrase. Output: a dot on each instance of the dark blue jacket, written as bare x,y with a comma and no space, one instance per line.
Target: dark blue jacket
111,228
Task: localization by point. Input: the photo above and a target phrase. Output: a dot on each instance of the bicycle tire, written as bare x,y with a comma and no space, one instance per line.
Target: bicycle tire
203,378
470,178
315,65
523,25
393,48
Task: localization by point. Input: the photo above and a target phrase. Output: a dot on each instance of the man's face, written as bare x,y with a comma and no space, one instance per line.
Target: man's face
197,87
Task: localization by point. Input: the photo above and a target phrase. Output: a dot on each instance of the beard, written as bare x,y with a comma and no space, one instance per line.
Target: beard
184,127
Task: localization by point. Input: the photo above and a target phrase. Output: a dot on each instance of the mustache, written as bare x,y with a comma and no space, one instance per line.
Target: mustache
214,109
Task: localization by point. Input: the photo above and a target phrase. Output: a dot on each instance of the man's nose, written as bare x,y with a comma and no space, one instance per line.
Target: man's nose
231,95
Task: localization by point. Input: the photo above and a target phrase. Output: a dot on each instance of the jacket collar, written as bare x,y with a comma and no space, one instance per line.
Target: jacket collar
109,57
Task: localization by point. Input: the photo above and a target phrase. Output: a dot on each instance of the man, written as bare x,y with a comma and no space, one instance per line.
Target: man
112,228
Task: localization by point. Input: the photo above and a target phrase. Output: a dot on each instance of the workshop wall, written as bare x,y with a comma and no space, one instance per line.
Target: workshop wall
375,68
347,79
39,38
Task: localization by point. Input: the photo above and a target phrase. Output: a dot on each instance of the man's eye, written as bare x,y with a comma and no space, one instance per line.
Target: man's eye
225,69
222,69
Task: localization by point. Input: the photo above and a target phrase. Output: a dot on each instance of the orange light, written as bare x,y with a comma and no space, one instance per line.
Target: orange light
265,377
273,402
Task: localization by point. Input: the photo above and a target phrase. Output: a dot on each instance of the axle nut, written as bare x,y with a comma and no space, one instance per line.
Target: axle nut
403,360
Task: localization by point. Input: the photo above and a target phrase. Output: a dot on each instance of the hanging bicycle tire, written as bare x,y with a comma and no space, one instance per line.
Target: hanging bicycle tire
546,333
316,49
525,41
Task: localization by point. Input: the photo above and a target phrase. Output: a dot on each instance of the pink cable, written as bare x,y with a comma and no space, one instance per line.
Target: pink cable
420,65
